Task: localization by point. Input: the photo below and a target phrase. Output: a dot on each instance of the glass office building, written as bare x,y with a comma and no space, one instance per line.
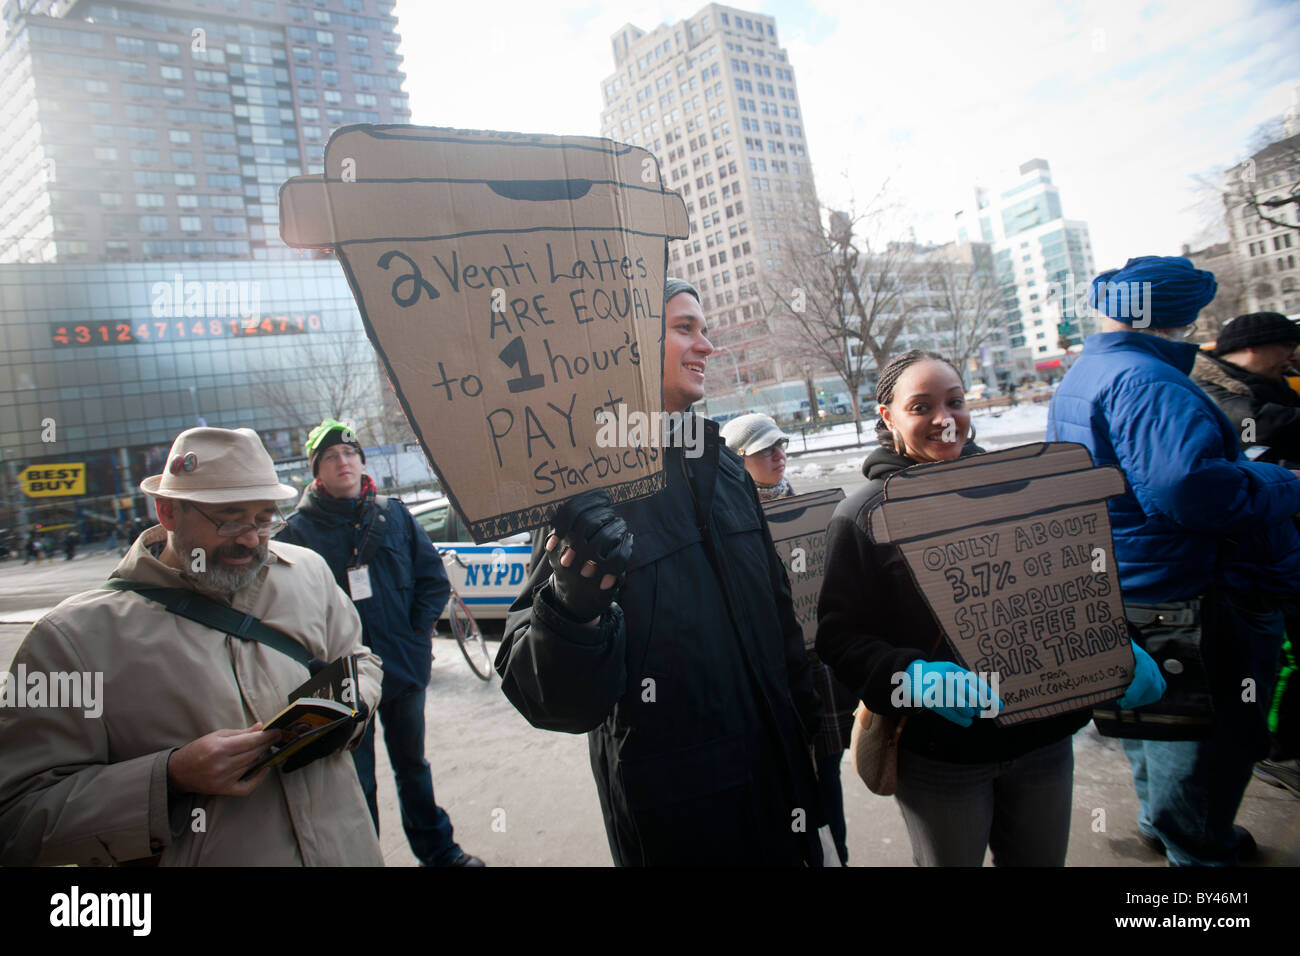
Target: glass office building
155,131
143,284
101,366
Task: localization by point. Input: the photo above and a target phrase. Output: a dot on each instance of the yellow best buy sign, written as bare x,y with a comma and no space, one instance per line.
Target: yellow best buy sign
52,481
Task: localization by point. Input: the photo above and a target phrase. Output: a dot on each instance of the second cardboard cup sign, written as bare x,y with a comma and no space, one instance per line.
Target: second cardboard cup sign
798,526
513,287
1012,552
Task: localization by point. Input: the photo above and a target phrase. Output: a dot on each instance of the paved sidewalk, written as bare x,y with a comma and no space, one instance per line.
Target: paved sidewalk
518,796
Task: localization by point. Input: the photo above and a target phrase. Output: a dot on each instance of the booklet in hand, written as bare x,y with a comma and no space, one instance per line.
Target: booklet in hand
317,708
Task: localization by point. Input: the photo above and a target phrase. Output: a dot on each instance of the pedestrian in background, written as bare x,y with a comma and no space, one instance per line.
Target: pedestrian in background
391,570
761,446
757,439
1246,375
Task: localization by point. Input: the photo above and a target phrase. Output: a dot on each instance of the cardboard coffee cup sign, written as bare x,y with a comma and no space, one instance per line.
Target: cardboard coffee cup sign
798,526
513,287
1012,551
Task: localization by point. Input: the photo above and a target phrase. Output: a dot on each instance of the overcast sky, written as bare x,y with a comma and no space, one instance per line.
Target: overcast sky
1127,101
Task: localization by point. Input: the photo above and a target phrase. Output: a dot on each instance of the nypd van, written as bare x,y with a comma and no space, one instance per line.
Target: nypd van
488,577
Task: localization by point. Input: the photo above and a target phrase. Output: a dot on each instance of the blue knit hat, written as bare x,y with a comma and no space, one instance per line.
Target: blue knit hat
1160,292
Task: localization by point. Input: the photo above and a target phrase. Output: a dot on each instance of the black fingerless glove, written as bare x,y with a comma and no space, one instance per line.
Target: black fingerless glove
587,524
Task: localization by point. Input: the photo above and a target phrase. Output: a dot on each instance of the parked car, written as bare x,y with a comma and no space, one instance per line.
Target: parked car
487,576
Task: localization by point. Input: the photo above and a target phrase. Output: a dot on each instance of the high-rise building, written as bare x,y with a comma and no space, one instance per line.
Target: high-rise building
1043,260
162,130
714,97
143,145
955,306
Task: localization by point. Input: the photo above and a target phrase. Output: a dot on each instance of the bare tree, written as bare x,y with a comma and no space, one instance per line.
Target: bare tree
967,298
1267,183
839,295
348,384
1229,299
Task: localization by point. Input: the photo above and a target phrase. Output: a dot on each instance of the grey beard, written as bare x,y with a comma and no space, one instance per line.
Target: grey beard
227,580
215,577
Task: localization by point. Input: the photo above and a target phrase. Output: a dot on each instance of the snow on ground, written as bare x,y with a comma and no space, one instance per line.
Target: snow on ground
990,426
987,422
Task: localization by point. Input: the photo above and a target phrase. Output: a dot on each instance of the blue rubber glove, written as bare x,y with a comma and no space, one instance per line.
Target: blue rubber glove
1148,684
949,684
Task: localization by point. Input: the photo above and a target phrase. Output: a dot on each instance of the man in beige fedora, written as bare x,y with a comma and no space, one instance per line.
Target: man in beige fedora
147,762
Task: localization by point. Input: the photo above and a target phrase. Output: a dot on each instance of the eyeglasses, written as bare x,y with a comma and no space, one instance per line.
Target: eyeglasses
770,450
235,529
343,451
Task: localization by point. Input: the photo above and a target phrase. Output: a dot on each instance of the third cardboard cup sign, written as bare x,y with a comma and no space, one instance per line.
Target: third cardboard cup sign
513,286
1012,552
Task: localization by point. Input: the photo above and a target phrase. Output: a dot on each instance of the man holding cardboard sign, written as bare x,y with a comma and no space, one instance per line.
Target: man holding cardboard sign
664,629
509,283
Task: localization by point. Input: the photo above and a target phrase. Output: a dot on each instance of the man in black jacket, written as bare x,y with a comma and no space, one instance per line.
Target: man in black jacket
391,570
1245,375
679,654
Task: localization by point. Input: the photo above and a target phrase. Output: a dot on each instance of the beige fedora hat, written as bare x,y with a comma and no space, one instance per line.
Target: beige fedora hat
216,466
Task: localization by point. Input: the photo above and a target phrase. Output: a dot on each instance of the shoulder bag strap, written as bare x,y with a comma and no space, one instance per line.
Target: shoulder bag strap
197,607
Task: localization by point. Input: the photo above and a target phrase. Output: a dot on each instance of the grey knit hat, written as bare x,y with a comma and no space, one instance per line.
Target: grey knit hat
674,287
752,433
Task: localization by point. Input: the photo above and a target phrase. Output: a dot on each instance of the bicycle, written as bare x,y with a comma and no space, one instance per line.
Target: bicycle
469,637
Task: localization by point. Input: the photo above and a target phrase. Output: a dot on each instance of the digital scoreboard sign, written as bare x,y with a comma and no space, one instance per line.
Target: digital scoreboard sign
174,330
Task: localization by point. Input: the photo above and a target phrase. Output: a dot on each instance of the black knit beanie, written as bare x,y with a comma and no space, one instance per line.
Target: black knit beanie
1255,329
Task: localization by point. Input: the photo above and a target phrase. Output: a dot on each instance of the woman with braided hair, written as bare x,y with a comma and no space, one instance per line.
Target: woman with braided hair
964,784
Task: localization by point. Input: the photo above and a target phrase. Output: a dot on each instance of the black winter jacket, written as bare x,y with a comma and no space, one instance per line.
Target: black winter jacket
1273,406
694,687
409,584
872,623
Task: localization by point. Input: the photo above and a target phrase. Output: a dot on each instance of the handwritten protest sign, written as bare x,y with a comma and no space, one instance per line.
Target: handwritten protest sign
1012,551
798,526
513,287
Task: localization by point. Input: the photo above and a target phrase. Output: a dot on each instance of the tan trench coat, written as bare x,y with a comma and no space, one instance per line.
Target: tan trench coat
93,791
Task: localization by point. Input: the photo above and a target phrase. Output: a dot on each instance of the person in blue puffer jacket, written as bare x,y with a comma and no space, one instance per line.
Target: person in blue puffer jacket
1195,513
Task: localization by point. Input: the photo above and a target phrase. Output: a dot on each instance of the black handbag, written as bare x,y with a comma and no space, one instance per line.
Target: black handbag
1175,635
